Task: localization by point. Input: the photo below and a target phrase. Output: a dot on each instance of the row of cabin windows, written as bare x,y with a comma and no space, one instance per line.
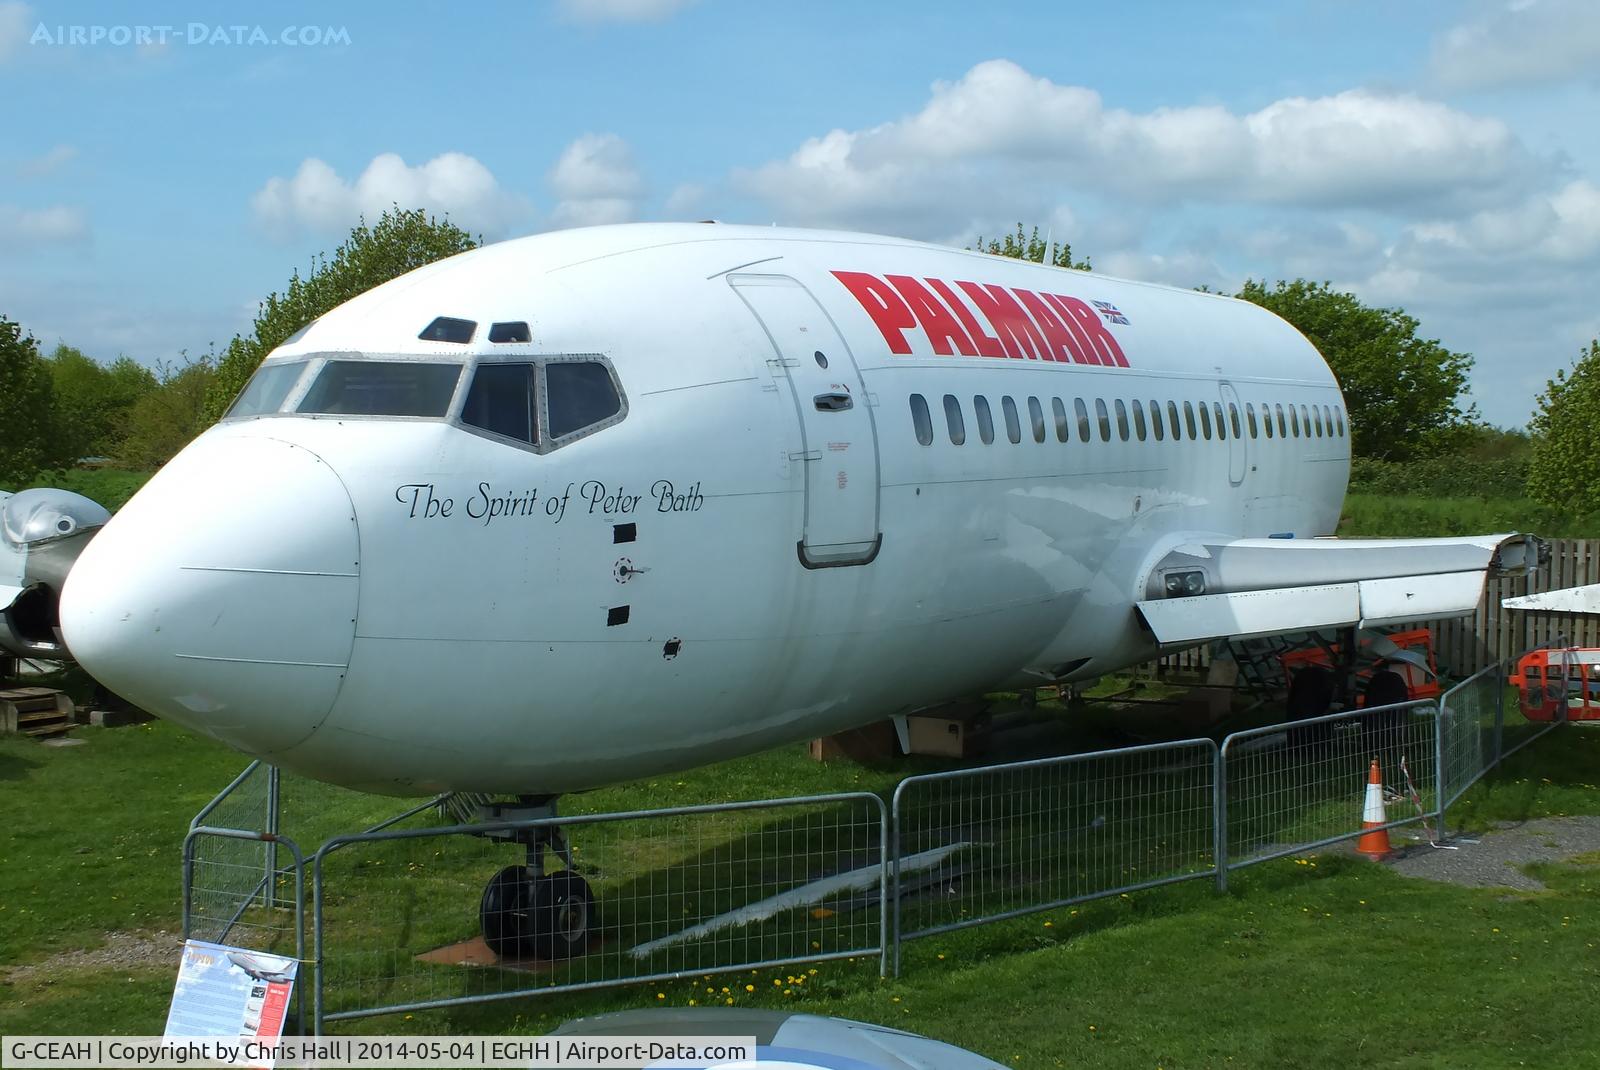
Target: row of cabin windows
1132,419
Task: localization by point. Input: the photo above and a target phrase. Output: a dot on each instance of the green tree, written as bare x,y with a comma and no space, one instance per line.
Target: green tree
28,438
164,420
1403,393
1022,246
92,400
400,241
1565,467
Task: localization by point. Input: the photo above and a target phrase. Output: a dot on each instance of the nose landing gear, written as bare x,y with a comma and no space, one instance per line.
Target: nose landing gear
528,913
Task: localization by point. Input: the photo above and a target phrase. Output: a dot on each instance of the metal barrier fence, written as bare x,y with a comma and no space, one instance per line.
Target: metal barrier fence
1481,724
977,845
713,889
1294,787
680,892
233,874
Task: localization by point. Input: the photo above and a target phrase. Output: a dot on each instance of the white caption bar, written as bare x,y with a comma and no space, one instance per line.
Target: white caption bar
533,1053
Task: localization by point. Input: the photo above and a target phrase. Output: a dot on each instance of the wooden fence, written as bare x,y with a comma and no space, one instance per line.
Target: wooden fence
1463,645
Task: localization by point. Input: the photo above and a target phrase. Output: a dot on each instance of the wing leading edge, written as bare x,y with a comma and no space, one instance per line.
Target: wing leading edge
1238,588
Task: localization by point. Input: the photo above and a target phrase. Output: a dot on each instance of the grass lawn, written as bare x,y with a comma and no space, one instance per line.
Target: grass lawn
1308,962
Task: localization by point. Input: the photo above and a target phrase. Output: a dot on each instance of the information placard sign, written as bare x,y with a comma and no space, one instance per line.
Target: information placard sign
230,992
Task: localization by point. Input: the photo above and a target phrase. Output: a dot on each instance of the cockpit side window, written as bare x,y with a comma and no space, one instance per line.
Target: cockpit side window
382,388
267,389
578,394
503,400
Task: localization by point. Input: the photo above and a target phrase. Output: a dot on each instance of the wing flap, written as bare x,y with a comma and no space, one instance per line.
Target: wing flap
1257,587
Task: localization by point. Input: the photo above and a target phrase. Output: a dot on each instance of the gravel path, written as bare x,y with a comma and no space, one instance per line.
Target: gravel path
1495,860
120,951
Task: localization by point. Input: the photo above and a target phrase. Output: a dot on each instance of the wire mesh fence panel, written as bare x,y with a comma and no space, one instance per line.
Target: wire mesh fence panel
231,882
979,844
1469,715
399,916
1291,787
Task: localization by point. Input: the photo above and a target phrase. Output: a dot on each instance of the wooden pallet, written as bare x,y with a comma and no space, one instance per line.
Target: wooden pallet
40,712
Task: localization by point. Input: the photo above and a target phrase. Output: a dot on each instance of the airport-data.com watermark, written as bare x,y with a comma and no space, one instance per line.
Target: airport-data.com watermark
192,33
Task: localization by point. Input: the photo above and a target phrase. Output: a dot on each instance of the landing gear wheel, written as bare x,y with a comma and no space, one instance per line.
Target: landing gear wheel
526,916
504,913
563,909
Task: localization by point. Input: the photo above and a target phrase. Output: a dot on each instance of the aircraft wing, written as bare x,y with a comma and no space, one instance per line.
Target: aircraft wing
1237,588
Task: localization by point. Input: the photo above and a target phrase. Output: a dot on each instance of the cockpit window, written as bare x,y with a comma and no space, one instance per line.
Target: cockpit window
448,329
503,400
510,332
579,393
267,389
382,388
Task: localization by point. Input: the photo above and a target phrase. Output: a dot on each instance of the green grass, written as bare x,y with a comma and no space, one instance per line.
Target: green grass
1423,515
1313,962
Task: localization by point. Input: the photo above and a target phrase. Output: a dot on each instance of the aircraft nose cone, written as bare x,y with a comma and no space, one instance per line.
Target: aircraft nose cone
223,596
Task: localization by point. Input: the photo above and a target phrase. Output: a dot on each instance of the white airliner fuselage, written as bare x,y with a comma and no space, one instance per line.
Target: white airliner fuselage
651,496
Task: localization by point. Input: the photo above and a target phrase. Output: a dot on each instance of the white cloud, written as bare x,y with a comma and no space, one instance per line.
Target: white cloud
57,225
452,184
1524,42
47,164
16,24
1002,132
595,181
622,10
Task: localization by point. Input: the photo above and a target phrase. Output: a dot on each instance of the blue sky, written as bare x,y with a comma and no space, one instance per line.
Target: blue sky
1440,157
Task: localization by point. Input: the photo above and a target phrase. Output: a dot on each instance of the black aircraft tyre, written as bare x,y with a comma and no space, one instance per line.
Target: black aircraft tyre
563,909
505,913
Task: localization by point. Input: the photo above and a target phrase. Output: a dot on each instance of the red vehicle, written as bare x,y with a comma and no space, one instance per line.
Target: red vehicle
1547,680
1415,669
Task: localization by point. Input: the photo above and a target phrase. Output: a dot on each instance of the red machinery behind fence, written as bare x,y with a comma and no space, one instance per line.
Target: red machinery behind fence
1547,680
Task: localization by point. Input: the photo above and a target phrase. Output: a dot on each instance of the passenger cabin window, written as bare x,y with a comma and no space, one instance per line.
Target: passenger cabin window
921,420
1222,426
503,400
1059,411
1283,426
1188,421
1138,420
578,394
1316,419
1013,425
1082,413
1205,421
505,333
980,406
267,388
1233,420
382,388
1155,419
1305,421
1103,419
954,421
1122,419
1266,418
1294,422
1339,414
1250,418
1172,421
448,329
1036,418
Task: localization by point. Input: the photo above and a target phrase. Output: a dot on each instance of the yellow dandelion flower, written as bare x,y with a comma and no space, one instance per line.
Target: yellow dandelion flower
749,988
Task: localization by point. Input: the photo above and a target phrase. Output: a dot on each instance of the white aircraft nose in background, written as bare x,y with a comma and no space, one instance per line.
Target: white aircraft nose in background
223,596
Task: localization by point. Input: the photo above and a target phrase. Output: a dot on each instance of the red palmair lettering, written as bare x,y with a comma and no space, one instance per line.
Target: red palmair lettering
1023,325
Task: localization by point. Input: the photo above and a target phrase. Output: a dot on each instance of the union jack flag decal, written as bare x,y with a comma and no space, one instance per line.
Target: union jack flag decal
1109,311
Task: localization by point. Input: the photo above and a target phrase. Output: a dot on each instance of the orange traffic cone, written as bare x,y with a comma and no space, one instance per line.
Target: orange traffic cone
1374,842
